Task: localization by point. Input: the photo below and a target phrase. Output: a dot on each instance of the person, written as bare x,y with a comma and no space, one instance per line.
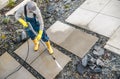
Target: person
30,13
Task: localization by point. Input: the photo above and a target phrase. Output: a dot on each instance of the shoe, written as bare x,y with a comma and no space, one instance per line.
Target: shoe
36,44
49,47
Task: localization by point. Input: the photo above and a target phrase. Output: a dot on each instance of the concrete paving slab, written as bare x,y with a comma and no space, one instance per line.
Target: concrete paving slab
76,41
81,17
22,74
22,51
12,11
58,32
104,25
113,8
4,3
113,49
114,39
79,43
114,42
7,65
47,67
95,5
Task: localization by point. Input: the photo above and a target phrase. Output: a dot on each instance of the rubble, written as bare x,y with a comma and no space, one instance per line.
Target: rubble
81,69
100,62
98,51
96,70
85,61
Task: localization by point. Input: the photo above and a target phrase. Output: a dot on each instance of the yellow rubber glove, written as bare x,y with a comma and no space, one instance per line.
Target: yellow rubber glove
38,37
24,23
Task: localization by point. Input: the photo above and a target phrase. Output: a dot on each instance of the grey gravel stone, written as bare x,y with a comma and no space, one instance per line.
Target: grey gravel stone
85,61
99,62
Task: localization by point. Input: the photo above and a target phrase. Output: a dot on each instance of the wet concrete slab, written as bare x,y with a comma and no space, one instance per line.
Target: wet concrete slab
27,52
7,65
81,17
104,25
113,43
76,41
112,9
22,74
47,67
95,5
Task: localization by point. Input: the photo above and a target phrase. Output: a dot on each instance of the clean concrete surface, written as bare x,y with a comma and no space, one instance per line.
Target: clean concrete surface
95,5
113,43
81,17
112,9
47,67
97,16
104,25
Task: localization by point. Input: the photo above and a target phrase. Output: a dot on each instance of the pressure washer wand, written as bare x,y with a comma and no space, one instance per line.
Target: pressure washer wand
52,56
57,62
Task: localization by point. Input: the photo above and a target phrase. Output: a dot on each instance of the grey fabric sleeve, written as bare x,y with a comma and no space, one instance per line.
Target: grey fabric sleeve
39,17
19,13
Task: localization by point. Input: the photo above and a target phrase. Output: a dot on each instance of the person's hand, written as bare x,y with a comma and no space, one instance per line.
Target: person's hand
38,37
24,23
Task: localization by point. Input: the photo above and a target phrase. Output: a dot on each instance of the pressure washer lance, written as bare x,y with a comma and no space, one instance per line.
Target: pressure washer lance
31,28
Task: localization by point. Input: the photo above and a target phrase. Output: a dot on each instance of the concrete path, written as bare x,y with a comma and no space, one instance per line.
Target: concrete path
97,16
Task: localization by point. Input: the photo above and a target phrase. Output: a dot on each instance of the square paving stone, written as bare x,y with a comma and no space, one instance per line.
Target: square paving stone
104,25
113,49
95,5
113,8
22,74
47,67
76,41
114,42
81,17
7,65
12,11
22,51
4,3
